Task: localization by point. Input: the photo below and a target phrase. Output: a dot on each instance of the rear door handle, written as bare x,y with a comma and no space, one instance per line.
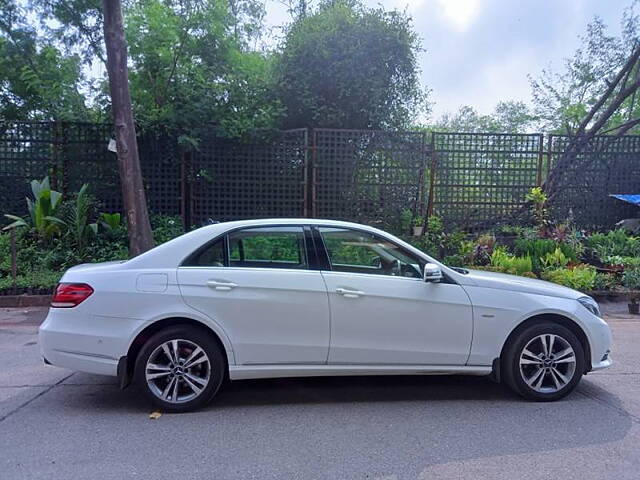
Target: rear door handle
345,292
223,286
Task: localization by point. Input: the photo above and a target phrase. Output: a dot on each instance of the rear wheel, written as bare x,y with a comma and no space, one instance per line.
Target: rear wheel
180,368
544,362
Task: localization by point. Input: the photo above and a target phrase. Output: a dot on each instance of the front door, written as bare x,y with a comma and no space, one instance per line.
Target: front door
383,313
256,283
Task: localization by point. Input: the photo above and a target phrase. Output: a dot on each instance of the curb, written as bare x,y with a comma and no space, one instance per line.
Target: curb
8,301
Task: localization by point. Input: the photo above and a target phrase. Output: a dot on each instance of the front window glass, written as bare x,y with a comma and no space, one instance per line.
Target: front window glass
362,252
268,247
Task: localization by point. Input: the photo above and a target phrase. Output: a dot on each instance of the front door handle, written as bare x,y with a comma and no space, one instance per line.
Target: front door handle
345,292
223,286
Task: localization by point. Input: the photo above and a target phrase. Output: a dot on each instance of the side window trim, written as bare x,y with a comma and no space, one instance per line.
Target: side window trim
305,245
317,256
329,267
324,264
189,258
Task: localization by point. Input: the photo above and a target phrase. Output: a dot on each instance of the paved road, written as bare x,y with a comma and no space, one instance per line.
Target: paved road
58,425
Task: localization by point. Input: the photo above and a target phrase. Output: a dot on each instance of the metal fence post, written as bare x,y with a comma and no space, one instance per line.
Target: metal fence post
14,259
549,154
56,146
310,174
419,209
432,175
540,154
185,189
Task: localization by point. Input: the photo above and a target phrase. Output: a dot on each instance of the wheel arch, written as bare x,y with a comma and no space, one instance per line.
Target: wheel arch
563,320
160,324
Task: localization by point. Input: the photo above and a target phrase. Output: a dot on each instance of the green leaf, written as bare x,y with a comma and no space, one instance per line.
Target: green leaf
19,222
54,220
55,198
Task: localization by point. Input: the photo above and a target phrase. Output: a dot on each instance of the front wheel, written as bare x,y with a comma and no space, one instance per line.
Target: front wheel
544,362
180,368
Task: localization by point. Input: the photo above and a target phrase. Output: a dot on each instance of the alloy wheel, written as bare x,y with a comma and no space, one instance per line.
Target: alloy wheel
547,363
178,371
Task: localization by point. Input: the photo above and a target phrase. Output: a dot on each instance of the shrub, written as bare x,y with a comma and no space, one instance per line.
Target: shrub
630,262
42,211
538,200
166,227
631,279
605,281
77,215
507,263
518,231
483,249
454,261
580,277
611,244
556,259
539,248
44,280
406,218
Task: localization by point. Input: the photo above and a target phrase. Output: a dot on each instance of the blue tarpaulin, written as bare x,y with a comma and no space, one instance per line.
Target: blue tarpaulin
634,199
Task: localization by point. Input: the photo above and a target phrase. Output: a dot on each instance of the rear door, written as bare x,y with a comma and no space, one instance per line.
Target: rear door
259,285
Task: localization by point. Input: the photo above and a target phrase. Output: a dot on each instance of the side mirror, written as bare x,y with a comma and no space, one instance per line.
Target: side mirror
432,273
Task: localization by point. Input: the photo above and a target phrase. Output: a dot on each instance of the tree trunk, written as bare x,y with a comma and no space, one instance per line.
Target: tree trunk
133,196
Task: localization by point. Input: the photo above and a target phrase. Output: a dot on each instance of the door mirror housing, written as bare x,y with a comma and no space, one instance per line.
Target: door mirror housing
432,273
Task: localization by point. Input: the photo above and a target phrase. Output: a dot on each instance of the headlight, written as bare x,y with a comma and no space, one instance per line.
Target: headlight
591,305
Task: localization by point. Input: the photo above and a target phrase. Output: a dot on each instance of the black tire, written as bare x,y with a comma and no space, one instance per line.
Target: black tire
549,389
214,370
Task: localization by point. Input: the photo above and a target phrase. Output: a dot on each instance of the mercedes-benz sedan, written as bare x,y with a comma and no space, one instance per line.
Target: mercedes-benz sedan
302,297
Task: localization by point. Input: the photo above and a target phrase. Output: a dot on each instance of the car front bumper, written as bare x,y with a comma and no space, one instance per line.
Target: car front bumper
599,335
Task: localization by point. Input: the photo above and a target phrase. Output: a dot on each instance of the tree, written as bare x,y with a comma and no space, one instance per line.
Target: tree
37,81
507,117
134,200
563,99
348,66
620,88
193,63
191,67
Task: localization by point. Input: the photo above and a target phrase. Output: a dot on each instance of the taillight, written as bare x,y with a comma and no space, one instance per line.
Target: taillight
68,295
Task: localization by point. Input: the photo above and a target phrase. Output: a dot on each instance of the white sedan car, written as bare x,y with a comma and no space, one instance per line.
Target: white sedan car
302,297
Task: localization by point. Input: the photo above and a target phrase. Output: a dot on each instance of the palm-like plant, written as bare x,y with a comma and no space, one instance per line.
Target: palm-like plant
42,211
77,217
111,222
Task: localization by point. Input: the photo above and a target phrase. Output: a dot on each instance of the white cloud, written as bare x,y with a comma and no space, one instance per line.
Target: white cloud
459,13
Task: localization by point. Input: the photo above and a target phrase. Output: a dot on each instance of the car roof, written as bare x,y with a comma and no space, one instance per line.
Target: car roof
283,221
180,246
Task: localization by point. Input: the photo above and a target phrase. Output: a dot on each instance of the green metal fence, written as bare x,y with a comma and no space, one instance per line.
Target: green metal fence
471,180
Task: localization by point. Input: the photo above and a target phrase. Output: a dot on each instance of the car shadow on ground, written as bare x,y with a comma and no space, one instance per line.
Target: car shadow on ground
105,393
343,389
408,420
352,389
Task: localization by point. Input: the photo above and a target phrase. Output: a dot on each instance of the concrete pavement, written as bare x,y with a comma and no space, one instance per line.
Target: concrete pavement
56,424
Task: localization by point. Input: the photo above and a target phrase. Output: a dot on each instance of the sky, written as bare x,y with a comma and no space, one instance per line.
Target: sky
478,52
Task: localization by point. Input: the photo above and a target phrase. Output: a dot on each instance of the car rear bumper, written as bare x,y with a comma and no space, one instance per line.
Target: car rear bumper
81,362
86,343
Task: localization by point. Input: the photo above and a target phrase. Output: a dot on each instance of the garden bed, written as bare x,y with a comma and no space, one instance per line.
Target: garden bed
18,291
19,301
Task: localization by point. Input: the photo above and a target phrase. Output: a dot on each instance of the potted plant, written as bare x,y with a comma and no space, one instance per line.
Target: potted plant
418,226
633,305
631,281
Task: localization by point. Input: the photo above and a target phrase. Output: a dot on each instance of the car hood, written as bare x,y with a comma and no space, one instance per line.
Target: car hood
502,281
